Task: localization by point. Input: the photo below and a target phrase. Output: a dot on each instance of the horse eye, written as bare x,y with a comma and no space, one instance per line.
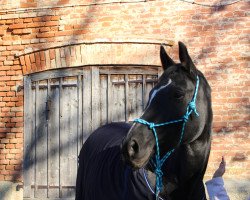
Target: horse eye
179,94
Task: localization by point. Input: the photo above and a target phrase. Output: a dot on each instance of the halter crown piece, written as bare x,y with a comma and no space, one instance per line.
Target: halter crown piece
160,161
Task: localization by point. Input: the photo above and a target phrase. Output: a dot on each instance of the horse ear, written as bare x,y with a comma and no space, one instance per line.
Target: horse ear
185,59
166,61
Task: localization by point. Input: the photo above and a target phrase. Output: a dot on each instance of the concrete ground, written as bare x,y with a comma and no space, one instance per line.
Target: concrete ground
8,191
237,190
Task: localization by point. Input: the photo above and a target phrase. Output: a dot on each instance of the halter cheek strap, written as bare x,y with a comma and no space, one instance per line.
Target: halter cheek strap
152,126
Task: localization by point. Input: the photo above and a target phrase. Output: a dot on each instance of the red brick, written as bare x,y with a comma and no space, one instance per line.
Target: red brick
4,141
42,55
45,35
27,20
4,88
64,33
43,65
17,32
11,156
19,114
11,83
10,104
9,125
52,23
44,29
5,109
19,145
2,104
22,60
14,140
27,63
17,26
52,54
2,32
4,172
19,134
10,146
37,19
55,18
62,2
46,18
4,130
2,22
10,135
14,162
35,24
2,94
16,119
28,5
19,124
14,151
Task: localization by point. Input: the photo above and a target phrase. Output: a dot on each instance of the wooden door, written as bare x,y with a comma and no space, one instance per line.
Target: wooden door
62,107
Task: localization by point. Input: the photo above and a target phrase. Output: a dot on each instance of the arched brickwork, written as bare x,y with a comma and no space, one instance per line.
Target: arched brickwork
76,55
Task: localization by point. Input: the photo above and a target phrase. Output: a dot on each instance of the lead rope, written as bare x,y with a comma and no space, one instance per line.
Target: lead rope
160,161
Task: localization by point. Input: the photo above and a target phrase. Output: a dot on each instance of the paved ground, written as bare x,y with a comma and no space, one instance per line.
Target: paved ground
237,190
8,191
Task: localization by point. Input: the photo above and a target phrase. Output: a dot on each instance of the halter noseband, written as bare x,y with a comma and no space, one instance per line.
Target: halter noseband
160,161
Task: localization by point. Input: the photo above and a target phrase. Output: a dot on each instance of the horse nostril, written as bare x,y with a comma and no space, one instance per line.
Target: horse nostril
133,148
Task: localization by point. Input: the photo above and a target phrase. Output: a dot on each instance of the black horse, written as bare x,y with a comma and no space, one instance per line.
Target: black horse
120,161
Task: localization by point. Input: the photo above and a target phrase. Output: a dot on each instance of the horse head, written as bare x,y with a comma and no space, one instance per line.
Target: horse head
170,101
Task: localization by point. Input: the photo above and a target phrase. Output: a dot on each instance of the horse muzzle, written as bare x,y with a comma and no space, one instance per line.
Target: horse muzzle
136,151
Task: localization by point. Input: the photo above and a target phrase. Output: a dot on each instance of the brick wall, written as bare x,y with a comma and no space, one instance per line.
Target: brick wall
217,38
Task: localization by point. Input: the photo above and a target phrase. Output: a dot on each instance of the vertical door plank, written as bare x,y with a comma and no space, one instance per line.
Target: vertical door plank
41,141
114,79
28,130
86,107
95,90
53,139
60,133
139,96
103,99
126,97
110,99
132,100
79,112
72,138
119,97
47,111
68,137
64,134
32,150
144,91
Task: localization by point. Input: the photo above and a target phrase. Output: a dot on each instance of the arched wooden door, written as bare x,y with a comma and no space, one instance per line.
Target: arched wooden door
62,107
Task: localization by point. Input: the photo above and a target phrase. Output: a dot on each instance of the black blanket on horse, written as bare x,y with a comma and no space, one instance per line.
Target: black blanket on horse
102,175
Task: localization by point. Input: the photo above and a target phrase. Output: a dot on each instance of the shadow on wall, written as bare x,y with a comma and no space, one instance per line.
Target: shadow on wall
223,53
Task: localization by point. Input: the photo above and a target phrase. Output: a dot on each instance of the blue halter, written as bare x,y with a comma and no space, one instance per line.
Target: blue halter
160,161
